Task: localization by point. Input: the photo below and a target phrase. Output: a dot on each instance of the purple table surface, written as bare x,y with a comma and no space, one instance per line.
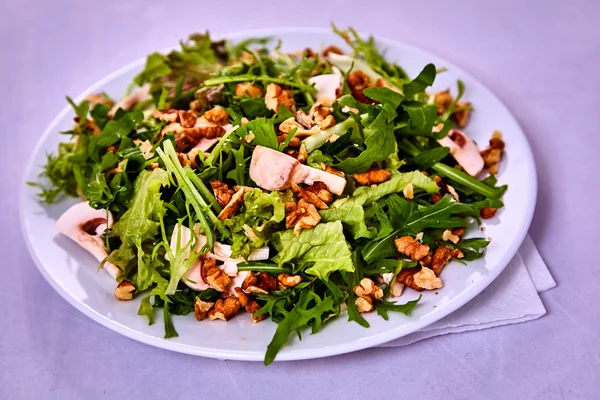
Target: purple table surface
540,57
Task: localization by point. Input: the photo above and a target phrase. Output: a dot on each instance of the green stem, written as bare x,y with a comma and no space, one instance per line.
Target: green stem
260,266
247,78
204,192
192,195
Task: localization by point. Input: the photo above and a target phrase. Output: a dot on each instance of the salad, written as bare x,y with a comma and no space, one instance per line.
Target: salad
239,180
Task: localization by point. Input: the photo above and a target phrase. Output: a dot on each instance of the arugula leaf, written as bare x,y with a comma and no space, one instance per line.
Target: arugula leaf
309,309
263,130
81,109
425,159
385,226
155,68
384,306
238,174
100,114
473,248
424,79
380,144
169,328
439,215
319,251
388,98
421,119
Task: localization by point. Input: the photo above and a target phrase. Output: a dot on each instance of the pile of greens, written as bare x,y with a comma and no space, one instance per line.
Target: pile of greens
150,197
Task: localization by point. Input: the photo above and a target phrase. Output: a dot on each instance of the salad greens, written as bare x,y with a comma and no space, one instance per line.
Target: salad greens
292,185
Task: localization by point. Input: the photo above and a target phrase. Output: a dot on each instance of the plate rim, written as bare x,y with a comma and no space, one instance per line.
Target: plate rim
298,354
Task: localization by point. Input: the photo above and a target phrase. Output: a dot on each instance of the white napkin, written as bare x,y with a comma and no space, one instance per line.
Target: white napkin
511,298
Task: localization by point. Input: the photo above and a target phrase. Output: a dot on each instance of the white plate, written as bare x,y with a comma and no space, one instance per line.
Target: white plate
72,272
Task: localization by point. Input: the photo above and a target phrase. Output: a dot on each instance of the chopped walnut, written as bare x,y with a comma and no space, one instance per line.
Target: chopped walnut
213,275
321,190
442,100
277,96
171,115
458,231
222,192
444,189
201,308
457,253
225,309
318,112
409,191
488,212
99,98
289,280
217,116
247,88
411,248
441,256
372,176
357,82
492,155
327,123
303,216
331,49
462,116
311,196
335,171
251,305
261,283
124,291
364,304
449,236
289,124
233,206
368,288
427,279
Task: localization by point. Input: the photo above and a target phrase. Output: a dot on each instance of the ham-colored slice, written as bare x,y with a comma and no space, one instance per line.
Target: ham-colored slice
273,170
464,150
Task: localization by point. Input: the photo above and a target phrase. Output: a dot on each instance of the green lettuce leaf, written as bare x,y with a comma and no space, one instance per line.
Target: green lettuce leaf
253,225
351,210
321,250
141,222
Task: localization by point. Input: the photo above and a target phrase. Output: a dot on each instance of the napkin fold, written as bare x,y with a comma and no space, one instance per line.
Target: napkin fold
512,297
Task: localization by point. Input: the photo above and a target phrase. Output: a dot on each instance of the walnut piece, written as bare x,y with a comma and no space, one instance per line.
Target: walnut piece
225,309
277,96
217,116
289,280
409,191
233,206
213,275
261,283
372,176
441,257
201,308
335,171
357,82
462,116
444,189
251,305
247,88
222,192
492,155
442,100
488,212
364,304
368,288
449,236
317,195
303,216
427,279
124,291
408,246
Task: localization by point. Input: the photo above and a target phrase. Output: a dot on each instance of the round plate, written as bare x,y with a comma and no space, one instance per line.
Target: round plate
73,273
